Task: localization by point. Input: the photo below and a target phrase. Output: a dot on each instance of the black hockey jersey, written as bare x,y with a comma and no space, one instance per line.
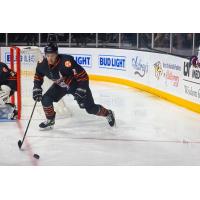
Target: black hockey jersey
8,77
66,72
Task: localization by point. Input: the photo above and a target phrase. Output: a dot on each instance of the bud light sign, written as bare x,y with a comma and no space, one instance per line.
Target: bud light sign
83,60
112,62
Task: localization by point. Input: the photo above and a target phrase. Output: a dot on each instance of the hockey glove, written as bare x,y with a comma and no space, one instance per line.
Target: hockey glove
4,94
80,96
37,94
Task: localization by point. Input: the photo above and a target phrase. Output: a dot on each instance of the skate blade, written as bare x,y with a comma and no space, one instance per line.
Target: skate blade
115,125
47,128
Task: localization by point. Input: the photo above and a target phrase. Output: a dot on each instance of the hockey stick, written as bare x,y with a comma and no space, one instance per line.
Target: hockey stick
21,142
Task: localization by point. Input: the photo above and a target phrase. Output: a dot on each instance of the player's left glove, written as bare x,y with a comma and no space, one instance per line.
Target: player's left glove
80,96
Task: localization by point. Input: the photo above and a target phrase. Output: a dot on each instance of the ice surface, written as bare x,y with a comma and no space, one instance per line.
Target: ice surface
150,131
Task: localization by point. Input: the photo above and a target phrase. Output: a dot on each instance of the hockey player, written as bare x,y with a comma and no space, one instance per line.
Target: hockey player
8,85
69,78
195,61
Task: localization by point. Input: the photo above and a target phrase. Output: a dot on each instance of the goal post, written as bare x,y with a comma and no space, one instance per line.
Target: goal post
16,51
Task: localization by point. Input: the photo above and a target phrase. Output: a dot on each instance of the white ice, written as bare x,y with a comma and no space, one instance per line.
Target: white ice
149,131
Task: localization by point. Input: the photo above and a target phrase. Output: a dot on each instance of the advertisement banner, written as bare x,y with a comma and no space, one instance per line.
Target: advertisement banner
112,62
170,74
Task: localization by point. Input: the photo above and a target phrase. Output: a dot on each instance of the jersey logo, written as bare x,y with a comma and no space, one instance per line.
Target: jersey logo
68,64
5,70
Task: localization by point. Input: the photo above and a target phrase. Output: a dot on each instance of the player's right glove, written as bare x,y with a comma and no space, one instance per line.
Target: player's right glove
37,94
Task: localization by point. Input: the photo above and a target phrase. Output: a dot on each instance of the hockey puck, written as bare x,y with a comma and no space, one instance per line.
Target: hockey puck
36,156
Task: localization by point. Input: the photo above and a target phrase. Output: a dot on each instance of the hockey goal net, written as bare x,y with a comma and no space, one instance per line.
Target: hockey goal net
24,60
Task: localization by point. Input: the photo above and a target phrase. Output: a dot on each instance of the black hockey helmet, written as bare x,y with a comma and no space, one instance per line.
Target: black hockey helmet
51,48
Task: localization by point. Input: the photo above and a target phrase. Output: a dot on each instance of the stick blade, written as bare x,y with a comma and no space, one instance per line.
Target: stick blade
19,144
